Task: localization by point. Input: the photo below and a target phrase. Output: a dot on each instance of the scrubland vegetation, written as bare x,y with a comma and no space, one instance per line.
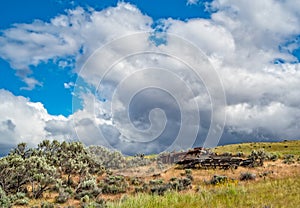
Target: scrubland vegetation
68,174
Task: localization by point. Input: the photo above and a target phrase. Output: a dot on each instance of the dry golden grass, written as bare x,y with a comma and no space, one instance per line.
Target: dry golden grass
280,188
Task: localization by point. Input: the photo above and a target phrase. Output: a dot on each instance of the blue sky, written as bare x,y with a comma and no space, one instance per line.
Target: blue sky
51,76
251,49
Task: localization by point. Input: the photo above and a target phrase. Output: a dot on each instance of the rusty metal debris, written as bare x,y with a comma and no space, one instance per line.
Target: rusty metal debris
203,158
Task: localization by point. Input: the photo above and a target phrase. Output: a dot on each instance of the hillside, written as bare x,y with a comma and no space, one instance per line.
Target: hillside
70,175
279,148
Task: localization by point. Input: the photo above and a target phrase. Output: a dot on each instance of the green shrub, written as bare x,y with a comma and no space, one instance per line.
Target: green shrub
19,199
188,171
179,184
247,176
136,181
273,157
288,159
151,170
142,189
176,185
173,179
87,187
190,177
4,200
47,205
21,202
62,197
156,182
186,182
113,185
258,157
218,179
85,199
160,189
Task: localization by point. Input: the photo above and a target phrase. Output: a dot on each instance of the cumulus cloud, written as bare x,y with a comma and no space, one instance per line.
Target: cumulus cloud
191,2
274,118
25,121
68,85
77,33
211,38
259,29
242,41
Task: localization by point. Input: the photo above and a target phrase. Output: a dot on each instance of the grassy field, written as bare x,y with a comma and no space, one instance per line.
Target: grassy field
277,184
281,189
273,193
280,148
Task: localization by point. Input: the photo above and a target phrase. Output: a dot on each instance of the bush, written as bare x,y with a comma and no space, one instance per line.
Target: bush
160,190
186,182
21,202
136,181
173,179
47,205
273,157
156,182
288,159
188,171
107,158
179,184
4,200
190,177
62,197
151,170
19,199
258,157
85,199
176,185
144,188
218,179
247,176
68,190
113,185
87,187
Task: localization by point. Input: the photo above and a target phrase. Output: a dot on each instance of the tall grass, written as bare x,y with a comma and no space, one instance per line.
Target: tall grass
273,193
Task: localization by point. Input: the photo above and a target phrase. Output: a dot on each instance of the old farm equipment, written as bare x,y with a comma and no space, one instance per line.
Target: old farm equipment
215,161
203,158
174,157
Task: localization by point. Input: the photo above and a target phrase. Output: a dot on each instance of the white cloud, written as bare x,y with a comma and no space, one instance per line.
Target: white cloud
77,32
69,85
24,121
28,120
192,2
31,83
258,28
274,118
211,38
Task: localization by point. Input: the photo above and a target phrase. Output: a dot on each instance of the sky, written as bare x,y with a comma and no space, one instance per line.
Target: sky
149,77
